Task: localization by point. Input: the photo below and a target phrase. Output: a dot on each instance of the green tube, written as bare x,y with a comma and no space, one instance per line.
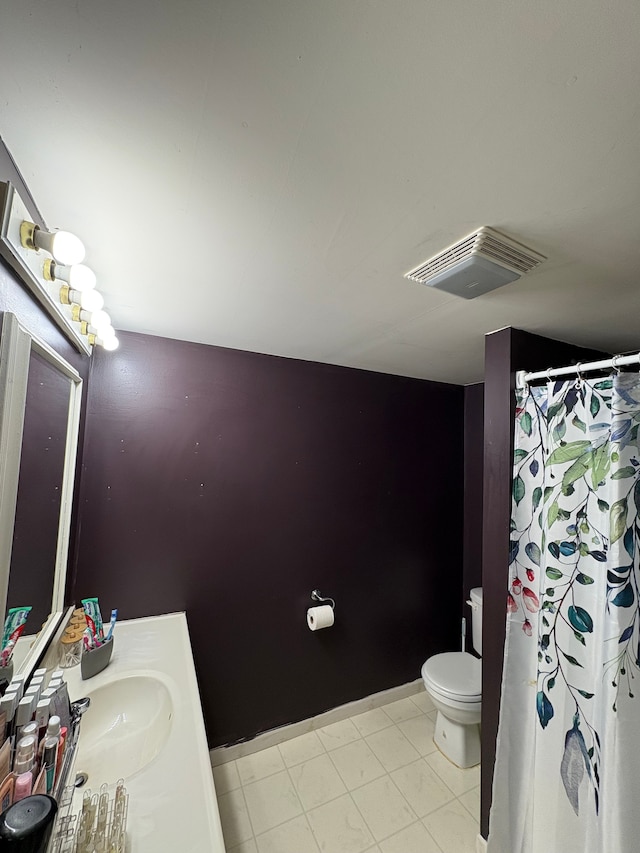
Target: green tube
16,617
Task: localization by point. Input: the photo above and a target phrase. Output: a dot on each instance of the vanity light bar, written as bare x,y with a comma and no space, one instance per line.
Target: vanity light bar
63,285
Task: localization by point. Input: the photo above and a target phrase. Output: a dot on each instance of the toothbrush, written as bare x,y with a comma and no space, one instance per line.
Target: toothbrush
112,624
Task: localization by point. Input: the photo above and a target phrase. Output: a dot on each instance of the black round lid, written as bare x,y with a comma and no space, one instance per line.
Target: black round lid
27,818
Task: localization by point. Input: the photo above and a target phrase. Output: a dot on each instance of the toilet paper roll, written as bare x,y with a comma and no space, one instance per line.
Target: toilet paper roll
320,617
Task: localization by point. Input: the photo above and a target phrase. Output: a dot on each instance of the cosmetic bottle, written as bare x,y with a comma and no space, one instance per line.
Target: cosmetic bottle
8,708
30,730
17,686
40,673
62,745
25,756
42,717
6,792
38,683
49,760
22,786
24,712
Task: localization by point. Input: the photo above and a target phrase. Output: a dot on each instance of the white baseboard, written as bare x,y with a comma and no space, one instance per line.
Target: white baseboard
481,845
222,754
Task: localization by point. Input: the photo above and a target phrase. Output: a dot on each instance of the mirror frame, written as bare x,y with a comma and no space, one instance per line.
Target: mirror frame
16,346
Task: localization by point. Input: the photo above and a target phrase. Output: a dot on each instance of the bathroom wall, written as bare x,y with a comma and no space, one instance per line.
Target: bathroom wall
473,467
231,484
506,351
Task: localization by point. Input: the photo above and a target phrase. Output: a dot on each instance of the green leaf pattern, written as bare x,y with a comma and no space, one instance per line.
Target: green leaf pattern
575,534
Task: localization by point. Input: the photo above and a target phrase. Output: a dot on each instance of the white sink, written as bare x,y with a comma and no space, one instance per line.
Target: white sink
124,729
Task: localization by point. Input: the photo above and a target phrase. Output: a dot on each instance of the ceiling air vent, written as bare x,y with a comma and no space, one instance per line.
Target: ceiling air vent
481,262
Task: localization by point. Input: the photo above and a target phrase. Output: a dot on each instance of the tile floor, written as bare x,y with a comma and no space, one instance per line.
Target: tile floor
375,783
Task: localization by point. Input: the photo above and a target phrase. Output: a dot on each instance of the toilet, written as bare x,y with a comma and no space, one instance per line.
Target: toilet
453,680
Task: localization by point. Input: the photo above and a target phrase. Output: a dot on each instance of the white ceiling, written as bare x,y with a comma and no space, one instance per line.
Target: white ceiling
260,174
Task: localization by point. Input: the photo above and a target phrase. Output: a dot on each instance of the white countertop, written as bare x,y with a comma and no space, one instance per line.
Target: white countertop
172,801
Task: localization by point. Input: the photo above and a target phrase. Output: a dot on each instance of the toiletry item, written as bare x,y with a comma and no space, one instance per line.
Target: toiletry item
5,759
23,785
40,785
8,704
17,685
39,683
40,673
41,717
53,730
6,792
25,755
93,617
30,730
13,627
27,825
54,683
34,690
49,761
112,624
57,673
25,711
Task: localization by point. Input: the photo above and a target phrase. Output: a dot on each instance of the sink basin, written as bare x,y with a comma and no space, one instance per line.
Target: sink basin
124,729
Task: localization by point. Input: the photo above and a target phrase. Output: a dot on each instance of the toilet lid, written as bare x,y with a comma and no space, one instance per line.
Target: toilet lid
456,675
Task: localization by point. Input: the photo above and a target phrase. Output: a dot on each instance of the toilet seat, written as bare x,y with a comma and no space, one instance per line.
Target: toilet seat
454,675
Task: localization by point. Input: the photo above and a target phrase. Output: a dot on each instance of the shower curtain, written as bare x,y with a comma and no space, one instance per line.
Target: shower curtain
567,773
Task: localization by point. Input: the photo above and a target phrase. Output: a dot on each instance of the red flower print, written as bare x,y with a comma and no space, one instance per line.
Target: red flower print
530,599
526,627
516,586
511,603
531,574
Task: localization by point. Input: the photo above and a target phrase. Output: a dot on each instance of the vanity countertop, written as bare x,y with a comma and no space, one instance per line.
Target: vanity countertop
172,801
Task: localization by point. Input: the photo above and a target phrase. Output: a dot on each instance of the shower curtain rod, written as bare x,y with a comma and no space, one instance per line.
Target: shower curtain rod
523,378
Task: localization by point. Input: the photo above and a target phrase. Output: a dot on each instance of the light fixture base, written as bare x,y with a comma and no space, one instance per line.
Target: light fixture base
27,235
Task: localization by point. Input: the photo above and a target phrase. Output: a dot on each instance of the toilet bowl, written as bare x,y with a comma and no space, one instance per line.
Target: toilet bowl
453,680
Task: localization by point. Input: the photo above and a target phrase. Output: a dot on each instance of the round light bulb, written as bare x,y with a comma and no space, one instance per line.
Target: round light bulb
65,247
110,344
100,320
89,300
106,332
79,277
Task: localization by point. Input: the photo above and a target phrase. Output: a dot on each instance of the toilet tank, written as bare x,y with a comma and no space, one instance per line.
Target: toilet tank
476,618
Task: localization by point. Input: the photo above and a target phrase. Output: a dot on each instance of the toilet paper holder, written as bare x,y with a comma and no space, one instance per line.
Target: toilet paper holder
316,596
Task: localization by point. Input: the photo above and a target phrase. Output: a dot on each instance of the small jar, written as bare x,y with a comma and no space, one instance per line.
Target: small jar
70,648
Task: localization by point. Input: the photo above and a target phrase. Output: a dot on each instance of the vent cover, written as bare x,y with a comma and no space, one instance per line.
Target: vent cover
481,262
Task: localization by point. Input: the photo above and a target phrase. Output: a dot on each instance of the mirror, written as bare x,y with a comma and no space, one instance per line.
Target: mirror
40,395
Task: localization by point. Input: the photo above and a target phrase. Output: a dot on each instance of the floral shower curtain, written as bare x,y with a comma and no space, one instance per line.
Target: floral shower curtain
567,774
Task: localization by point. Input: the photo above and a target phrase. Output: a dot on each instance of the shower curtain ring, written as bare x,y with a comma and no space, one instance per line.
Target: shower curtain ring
549,369
579,372
614,364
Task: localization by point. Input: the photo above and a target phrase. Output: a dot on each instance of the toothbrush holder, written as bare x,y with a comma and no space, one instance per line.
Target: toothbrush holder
94,661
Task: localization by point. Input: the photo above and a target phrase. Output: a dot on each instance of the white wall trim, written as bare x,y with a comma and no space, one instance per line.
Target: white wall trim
271,738
481,844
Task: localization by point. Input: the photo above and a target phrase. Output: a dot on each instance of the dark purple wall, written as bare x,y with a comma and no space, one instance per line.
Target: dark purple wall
473,466
231,484
506,352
